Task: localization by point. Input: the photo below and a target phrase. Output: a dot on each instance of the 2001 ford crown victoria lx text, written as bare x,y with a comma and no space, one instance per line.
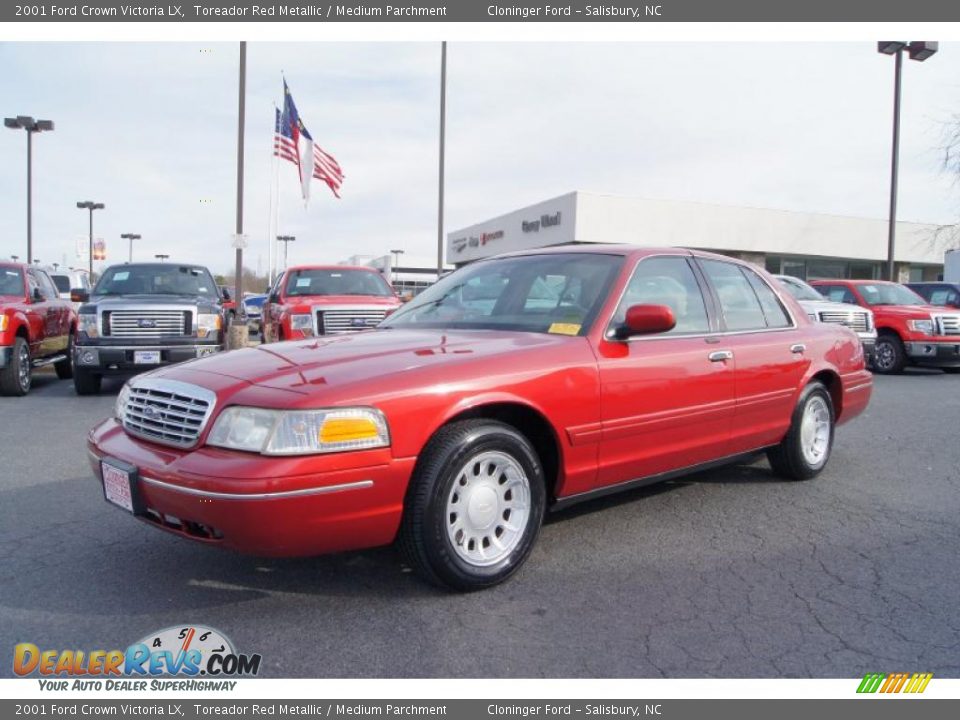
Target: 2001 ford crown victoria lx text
515,384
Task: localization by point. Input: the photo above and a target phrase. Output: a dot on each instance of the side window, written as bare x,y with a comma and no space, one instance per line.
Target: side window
47,286
773,310
838,293
935,297
667,281
32,284
738,301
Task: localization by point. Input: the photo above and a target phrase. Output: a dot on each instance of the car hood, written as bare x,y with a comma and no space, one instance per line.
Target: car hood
907,311
320,300
828,306
124,301
369,359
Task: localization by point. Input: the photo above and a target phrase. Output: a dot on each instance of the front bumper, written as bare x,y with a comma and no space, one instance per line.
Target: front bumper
108,359
276,506
6,356
939,353
869,343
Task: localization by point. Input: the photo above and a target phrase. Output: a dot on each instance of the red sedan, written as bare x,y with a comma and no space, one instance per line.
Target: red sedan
514,385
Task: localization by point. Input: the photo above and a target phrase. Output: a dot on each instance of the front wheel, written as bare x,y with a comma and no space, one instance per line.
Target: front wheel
64,368
86,382
804,451
474,506
889,355
951,370
15,378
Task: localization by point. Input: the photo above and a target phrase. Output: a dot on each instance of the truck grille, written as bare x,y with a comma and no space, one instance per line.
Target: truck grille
948,324
167,411
147,323
856,320
335,322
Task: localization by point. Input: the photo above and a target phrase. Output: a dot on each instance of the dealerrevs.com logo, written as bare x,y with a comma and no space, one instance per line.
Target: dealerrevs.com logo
888,683
182,651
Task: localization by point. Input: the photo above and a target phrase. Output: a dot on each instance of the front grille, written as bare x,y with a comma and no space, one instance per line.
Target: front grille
336,322
948,324
167,411
856,320
151,324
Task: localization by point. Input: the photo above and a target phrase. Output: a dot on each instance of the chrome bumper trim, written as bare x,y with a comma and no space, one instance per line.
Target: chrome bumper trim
360,484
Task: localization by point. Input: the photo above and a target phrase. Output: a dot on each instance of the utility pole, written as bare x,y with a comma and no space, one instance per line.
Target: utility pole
443,132
238,329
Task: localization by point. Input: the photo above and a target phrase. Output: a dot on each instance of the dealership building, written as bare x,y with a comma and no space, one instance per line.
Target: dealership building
806,245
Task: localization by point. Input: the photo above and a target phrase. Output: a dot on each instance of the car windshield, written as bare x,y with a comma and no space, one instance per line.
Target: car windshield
337,282
156,280
559,294
11,281
799,289
62,282
889,294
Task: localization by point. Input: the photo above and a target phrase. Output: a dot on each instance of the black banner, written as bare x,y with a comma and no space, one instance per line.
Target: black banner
486,11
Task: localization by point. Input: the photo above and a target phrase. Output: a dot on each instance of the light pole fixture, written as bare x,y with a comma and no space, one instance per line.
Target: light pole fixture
918,50
91,206
396,261
286,240
14,257
31,126
161,257
131,237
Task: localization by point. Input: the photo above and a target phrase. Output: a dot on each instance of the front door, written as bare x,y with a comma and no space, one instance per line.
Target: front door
666,400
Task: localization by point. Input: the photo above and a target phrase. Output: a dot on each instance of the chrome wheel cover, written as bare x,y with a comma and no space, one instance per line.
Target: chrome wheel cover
23,371
488,508
815,431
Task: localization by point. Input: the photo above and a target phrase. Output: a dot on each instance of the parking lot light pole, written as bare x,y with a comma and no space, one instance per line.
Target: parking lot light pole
131,237
918,50
396,261
286,240
31,126
91,206
161,257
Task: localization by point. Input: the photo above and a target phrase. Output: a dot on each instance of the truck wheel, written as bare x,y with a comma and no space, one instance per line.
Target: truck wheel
804,451
64,368
86,382
889,356
15,378
951,370
474,506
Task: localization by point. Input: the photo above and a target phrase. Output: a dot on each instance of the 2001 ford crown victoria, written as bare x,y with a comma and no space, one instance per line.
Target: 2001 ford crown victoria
515,384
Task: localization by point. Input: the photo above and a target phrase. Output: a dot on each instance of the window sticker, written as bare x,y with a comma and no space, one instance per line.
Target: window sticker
303,282
13,273
202,289
564,328
121,276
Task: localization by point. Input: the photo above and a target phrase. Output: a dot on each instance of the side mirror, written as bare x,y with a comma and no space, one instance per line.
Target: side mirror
274,298
226,294
646,320
37,295
79,295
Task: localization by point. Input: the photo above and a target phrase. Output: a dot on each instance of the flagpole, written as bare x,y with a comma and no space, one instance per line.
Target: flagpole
270,178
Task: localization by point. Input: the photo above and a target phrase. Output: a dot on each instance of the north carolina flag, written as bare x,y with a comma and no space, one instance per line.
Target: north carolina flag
292,141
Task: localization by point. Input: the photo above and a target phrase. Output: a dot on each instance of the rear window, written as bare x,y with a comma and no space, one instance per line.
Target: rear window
62,282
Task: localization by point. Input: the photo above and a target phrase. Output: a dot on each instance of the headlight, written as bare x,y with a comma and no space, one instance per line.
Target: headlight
300,432
87,323
924,327
121,403
304,323
4,322
208,324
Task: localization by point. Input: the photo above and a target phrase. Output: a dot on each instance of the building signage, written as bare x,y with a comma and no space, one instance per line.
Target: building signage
460,244
546,220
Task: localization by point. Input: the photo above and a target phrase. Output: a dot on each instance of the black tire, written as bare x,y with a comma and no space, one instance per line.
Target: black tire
64,368
16,378
951,370
788,459
424,538
86,382
889,355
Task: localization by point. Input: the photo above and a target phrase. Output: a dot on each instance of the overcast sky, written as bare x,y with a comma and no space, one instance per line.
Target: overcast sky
150,130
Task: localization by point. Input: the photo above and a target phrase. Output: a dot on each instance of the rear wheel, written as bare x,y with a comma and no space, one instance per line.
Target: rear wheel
86,382
889,355
474,506
16,377
804,451
64,368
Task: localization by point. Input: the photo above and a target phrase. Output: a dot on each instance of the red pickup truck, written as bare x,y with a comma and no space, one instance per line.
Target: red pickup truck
313,300
910,331
36,327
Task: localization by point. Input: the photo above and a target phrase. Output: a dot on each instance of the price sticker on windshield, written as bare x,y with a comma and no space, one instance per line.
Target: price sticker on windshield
564,328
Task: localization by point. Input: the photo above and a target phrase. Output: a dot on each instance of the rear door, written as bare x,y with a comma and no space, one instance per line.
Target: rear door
667,400
58,311
769,353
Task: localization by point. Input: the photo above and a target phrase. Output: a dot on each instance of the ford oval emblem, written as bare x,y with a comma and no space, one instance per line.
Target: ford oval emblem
146,323
151,413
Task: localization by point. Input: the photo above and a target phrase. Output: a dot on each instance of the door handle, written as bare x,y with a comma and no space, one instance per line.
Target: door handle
798,348
720,355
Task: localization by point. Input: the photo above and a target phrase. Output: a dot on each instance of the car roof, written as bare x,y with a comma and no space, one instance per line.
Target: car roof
844,281
631,251
365,268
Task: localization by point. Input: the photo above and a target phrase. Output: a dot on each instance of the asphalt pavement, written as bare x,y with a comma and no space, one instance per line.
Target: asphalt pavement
728,573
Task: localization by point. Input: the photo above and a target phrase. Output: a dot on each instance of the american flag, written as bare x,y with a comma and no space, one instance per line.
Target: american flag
293,142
